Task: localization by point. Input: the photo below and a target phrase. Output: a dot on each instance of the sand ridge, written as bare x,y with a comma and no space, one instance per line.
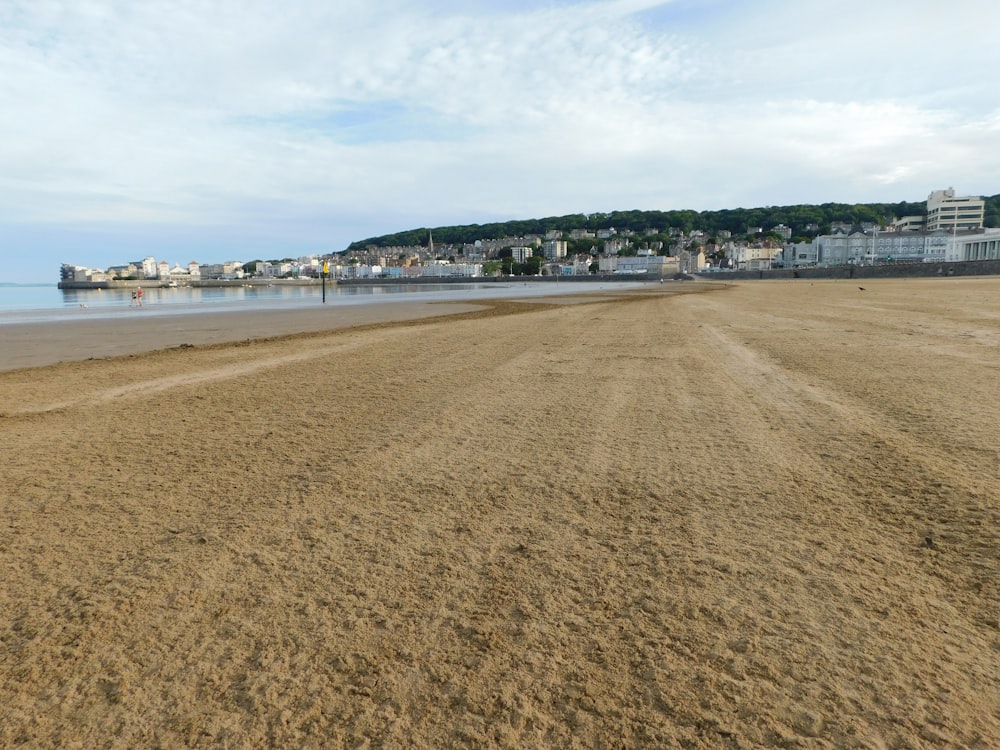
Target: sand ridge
764,516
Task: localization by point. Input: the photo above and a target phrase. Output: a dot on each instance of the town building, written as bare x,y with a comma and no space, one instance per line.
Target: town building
947,211
615,246
521,254
869,248
754,257
984,245
554,249
866,248
661,265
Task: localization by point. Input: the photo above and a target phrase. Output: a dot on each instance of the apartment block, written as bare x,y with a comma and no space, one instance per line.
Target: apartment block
947,211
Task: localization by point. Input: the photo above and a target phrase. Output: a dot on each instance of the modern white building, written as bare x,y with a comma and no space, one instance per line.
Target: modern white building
983,245
908,224
947,211
521,254
148,267
554,249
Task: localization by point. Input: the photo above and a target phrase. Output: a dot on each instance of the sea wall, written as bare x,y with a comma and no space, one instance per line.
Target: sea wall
500,279
886,270
194,284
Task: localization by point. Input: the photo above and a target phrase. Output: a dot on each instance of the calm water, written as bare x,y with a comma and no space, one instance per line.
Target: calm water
20,303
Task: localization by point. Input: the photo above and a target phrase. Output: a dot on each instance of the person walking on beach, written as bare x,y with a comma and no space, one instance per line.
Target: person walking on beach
138,294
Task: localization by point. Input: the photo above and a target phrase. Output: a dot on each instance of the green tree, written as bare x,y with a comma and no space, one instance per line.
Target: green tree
533,265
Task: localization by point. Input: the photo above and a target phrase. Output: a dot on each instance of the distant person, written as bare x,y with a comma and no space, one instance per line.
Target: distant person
138,295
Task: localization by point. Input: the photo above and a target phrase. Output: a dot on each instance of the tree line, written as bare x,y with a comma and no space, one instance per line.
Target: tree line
654,225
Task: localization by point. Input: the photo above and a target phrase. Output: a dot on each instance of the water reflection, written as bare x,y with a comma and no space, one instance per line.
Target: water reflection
45,302
235,294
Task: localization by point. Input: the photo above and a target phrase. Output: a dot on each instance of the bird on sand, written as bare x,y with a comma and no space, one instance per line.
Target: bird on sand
861,288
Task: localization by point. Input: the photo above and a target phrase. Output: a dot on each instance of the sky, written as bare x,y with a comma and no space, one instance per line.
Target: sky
215,130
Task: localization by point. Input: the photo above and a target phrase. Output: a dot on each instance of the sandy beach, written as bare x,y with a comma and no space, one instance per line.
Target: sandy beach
763,514
136,331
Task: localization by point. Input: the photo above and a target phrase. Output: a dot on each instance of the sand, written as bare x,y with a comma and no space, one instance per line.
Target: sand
765,514
131,330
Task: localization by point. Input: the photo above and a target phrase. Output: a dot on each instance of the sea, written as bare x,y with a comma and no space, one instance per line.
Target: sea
29,303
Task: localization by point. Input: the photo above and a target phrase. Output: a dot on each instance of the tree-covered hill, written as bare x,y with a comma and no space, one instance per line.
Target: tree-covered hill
734,220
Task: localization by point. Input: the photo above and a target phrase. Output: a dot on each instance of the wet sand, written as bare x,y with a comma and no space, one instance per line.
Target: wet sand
135,331
760,515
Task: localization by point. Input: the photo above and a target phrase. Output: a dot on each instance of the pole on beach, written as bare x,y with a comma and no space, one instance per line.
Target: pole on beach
326,270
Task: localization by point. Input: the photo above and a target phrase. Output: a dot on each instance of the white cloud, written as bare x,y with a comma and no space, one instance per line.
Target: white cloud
413,111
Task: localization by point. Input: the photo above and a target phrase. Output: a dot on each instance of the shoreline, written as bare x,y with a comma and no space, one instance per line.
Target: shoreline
199,284
40,343
126,331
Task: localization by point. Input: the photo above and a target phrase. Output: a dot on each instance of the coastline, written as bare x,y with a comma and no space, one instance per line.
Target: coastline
199,284
81,333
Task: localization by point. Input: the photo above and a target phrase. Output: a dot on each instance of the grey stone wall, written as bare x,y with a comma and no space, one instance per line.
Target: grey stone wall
882,271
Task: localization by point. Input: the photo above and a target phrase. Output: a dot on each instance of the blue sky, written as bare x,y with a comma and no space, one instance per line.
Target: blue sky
233,130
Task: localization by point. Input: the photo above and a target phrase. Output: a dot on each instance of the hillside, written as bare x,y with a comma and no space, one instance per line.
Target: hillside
653,223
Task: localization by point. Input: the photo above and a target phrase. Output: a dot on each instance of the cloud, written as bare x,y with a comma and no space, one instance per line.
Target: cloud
378,116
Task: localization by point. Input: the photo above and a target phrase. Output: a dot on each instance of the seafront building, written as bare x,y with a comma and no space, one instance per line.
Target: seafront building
984,245
951,229
868,248
947,212
554,249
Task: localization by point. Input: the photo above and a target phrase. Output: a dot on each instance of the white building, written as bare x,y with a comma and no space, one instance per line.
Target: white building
983,245
441,269
147,267
750,258
868,248
653,264
554,249
521,254
269,270
948,212
908,224
229,270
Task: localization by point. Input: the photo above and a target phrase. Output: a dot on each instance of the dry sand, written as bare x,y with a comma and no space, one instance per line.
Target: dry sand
764,515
